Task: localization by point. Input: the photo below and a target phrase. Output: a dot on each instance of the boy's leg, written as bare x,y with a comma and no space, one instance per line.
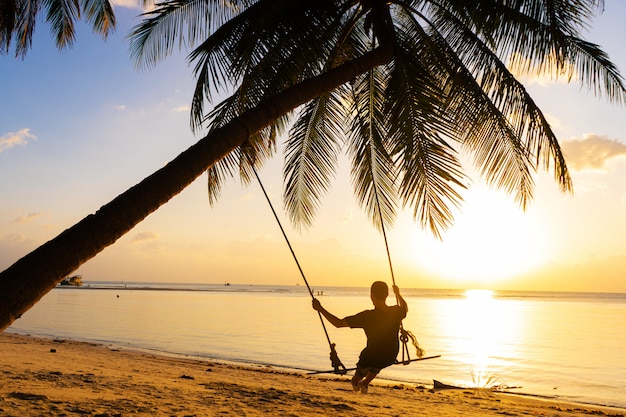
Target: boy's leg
364,384
362,378
359,374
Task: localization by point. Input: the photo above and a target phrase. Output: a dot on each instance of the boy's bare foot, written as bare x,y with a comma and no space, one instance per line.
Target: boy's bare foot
363,387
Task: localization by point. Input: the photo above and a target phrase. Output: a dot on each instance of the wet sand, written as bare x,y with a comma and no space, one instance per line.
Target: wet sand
45,377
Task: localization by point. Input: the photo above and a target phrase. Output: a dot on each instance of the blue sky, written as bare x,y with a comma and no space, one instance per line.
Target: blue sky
79,127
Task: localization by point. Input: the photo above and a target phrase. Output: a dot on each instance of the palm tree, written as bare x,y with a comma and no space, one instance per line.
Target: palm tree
18,18
414,81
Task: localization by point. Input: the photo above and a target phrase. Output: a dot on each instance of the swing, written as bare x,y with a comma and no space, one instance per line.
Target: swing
404,335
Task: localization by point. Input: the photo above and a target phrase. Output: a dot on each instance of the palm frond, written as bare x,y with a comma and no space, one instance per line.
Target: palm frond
18,19
241,161
546,37
311,156
254,85
232,107
429,177
374,174
8,14
595,69
218,173
262,51
313,143
100,13
259,147
430,171
61,16
181,23
25,26
497,119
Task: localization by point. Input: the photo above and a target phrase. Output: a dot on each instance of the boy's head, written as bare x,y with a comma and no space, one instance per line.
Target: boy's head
379,291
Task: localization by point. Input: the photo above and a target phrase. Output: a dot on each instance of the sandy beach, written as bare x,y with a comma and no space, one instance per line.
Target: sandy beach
45,377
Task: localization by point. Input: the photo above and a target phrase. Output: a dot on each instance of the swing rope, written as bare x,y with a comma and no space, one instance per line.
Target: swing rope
404,335
337,365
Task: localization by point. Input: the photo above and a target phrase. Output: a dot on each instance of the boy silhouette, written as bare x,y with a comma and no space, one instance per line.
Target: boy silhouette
381,326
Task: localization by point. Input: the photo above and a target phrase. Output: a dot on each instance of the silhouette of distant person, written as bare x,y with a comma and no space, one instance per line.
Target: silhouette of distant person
381,326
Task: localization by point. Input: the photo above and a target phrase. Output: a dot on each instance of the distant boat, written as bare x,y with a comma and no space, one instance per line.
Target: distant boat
74,280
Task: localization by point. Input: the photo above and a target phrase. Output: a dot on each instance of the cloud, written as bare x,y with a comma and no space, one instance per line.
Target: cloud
12,247
13,239
181,109
247,197
12,139
28,218
131,4
120,107
144,236
592,151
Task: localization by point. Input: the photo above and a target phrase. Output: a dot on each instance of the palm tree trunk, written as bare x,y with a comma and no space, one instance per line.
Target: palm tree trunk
30,278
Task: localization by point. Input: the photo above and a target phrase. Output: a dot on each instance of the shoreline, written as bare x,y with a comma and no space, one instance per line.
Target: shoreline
42,376
252,365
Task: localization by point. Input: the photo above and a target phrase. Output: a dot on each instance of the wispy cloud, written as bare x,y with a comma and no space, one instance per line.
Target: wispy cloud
27,218
144,236
181,109
131,4
13,239
247,197
592,151
12,139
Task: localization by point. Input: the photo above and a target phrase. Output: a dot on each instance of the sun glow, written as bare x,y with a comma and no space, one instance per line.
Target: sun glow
486,330
479,295
492,239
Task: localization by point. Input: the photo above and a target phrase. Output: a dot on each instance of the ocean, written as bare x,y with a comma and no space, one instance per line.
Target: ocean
560,345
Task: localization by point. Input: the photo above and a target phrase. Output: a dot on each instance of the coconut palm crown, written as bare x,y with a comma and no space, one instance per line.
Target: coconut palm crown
447,88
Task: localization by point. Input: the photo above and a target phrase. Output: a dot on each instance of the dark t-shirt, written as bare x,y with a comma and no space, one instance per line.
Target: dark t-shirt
381,328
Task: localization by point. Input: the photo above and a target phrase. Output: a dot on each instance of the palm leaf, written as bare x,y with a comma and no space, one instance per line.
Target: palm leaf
177,22
373,171
100,13
596,70
61,16
430,170
311,156
25,25
262,51
496,118
313,143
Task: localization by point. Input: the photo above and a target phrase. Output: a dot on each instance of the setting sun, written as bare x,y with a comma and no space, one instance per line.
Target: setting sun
492,239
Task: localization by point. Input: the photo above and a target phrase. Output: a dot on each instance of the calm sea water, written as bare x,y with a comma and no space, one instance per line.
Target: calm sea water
569,346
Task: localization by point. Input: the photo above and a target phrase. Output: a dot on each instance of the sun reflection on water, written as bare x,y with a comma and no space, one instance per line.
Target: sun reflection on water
484,329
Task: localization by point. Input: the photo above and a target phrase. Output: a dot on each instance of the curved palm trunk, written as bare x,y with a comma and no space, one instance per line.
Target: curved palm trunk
30,278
